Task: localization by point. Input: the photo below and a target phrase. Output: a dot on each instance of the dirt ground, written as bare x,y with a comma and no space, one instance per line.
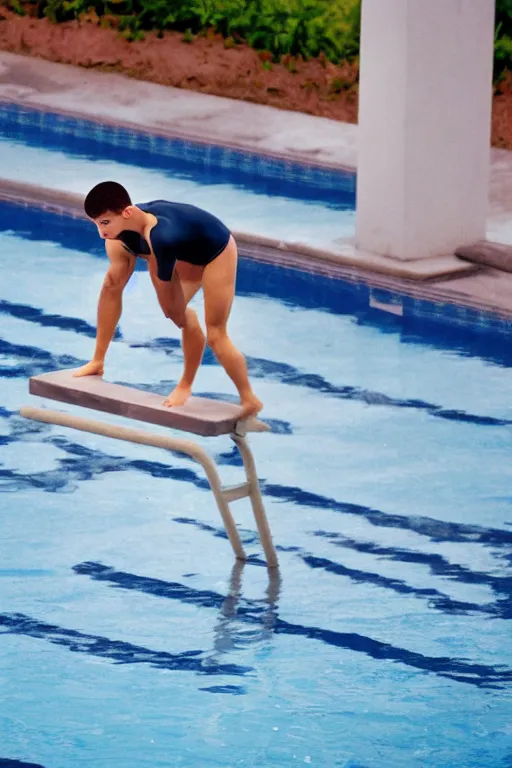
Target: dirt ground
210,65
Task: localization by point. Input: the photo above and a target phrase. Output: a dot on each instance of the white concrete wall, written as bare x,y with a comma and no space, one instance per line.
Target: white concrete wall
424,125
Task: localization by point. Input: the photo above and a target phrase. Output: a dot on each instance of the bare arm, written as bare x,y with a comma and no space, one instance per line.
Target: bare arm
170,295
110,304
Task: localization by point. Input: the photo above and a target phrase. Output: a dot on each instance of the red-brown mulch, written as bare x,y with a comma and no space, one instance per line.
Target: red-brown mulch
209,65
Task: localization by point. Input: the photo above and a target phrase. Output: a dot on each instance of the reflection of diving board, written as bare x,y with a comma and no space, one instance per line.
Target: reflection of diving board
200,416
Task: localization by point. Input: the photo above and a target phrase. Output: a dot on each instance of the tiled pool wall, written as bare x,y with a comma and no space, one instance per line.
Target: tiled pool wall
433,321
21,122
313,182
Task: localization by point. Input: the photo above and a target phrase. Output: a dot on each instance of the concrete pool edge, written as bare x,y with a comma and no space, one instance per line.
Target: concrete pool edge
118,100
343,251
347,256
304,259
258,130
189,136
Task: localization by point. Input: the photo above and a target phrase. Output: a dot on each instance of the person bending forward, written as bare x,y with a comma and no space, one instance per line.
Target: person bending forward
186,249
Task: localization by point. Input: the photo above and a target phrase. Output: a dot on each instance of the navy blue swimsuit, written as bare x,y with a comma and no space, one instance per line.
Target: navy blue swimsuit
183,233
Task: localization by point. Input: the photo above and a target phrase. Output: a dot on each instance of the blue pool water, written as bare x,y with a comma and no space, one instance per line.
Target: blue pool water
253,194
129,639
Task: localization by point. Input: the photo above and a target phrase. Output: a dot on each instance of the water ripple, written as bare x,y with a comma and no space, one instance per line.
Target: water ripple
435,530
37,361
437,564
117,651
40,317
89,463
480,675
500,608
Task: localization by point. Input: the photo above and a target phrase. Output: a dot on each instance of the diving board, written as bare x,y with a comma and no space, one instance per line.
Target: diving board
200,416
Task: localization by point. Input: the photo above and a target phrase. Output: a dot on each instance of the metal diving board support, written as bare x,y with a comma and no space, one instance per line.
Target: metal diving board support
200,416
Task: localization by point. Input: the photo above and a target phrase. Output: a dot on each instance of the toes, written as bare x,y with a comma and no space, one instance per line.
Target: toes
250,410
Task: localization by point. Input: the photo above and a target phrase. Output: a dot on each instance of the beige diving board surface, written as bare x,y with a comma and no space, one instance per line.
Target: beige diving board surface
200,415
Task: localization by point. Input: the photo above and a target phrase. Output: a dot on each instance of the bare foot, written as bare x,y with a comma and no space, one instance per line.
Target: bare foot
250,407
178,396
94,368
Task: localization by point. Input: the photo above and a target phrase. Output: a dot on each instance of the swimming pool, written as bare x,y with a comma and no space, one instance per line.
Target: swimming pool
253,194
128,638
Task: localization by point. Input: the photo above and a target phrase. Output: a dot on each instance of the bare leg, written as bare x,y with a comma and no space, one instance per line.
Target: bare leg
193,342
219,288
235,366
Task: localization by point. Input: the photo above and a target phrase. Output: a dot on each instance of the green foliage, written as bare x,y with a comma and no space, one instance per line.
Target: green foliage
503,38
17,7
304,28
295,27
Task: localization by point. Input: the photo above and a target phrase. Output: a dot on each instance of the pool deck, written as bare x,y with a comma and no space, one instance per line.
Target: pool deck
113,98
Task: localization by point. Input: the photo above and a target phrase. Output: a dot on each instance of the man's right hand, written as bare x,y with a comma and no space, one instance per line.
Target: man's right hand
94,368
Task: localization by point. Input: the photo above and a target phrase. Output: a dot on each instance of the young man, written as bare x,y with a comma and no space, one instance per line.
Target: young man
186,249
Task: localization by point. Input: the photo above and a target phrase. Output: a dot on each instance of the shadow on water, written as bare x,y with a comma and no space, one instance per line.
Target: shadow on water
437,564
247,611
5,763
38,316
499,609
87,463
116,651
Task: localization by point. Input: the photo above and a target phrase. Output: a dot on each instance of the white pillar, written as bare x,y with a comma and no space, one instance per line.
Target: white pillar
424,125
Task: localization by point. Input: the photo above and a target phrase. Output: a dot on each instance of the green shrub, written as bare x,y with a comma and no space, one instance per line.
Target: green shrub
17,7
304,28
503,38
297,27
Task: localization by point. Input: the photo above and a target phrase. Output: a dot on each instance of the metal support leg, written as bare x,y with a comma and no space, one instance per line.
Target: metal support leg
254,493
222,495
158,441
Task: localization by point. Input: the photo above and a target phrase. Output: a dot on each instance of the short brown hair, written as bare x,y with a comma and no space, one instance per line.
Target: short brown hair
106,196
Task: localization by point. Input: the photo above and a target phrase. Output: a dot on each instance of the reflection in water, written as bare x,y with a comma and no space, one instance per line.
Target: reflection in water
38,316
437,565
5,763
230,630
87,463
252,612
115,650
436,599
